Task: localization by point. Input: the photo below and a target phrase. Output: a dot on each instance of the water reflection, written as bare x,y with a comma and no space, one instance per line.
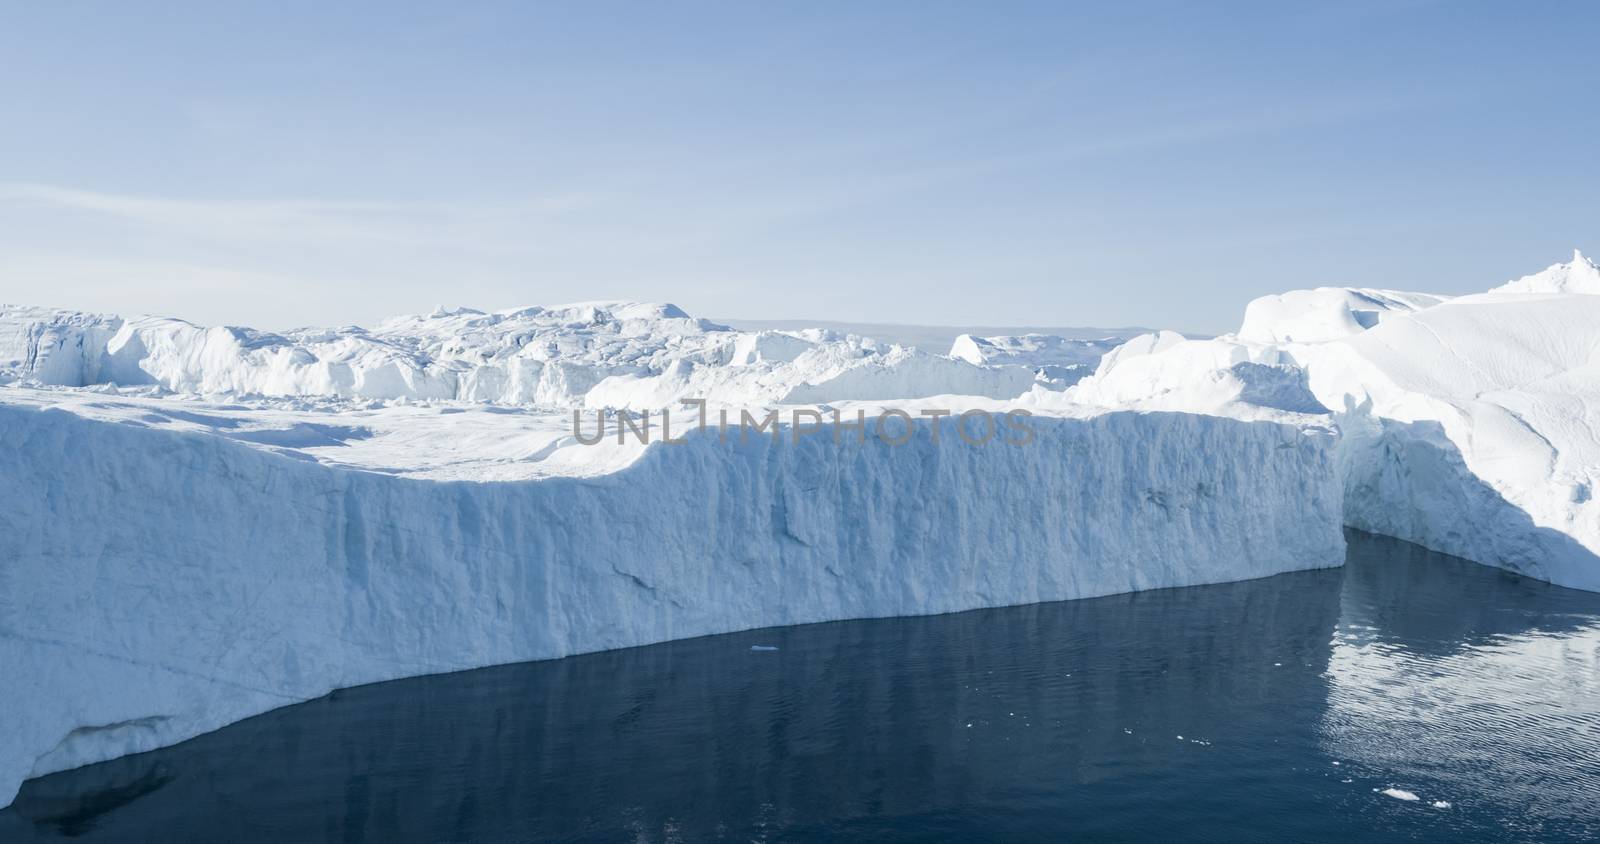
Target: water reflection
1492,707
1050,721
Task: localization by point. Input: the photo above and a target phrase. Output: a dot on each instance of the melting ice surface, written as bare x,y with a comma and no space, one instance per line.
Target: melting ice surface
1304,702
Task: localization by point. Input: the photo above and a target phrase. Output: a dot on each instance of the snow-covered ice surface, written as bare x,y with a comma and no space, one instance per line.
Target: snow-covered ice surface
1326,313
1580,275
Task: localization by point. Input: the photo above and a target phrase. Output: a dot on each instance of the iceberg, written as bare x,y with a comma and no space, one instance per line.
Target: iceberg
217,521
1469,425
212,561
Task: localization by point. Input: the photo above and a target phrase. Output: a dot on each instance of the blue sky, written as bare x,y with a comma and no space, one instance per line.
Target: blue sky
961,163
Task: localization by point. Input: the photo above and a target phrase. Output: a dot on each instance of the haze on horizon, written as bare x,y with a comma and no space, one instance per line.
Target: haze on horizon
1151,164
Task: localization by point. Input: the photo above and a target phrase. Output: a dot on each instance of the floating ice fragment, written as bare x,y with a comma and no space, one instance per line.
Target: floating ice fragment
1441,804
763,647
1401,794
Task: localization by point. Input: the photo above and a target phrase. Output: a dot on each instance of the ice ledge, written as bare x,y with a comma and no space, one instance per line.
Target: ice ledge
205,580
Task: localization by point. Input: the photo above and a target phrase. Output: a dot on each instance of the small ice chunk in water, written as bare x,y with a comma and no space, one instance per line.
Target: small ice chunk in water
1401,794
1441,804
763,647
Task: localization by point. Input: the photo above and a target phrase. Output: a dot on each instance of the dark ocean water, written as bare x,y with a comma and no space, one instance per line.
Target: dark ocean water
1272,710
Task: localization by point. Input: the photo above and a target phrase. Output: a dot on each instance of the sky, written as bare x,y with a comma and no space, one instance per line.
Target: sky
1159,164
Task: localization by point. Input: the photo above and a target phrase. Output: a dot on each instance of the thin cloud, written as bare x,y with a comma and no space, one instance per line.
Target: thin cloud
298,220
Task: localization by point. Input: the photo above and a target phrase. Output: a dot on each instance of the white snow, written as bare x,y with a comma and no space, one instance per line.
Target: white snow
1580,275
1326,313
1201,376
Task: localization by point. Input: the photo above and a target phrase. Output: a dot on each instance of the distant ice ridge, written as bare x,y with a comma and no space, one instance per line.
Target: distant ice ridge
167,567
1470,425
616,354
1057,361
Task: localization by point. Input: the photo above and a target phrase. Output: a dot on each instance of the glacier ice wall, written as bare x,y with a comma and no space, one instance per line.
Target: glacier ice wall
158,584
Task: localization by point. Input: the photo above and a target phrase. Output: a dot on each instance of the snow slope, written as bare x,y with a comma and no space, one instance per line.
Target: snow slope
209,562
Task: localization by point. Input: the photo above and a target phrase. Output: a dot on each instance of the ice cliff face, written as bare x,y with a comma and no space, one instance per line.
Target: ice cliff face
53,346
206,570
